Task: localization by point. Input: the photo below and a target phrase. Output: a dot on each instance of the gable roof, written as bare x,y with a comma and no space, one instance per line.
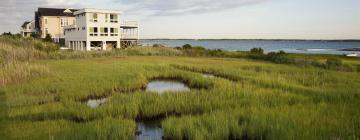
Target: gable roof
24,24
56,12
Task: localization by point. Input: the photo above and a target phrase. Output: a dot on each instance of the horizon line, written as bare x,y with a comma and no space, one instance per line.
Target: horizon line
249,39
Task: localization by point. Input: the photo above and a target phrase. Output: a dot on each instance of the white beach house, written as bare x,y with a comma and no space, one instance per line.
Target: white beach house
95,29
99,29
27,28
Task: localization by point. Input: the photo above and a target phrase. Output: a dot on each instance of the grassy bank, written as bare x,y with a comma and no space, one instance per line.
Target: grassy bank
248,98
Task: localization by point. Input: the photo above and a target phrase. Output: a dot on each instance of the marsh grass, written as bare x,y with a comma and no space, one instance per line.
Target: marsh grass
42,97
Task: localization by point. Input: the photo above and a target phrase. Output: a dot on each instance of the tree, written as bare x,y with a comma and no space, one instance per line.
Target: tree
35,35
5,33
48,38
187,46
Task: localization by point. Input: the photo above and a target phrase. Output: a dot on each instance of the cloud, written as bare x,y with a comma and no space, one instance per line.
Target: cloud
15,12
178,7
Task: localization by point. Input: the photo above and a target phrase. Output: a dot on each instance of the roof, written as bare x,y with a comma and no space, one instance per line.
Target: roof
24,24
93,10
55,12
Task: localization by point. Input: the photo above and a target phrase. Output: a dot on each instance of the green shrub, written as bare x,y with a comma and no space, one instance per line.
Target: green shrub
48,47
48,38
158,45
200,48
278,57
187,46
333,63
258,51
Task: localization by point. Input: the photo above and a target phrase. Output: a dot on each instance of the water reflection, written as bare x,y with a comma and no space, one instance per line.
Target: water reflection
149,130
162,86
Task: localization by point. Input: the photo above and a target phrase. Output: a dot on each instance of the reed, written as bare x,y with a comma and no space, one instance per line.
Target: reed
247,99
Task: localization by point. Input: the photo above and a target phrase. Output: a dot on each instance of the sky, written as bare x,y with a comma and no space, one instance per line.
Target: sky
213,19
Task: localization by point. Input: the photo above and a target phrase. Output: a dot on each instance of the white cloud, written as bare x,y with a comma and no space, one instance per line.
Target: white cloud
15,12
176,7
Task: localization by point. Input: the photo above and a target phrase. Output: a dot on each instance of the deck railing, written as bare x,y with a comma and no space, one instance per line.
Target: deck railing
129,24
27,30
129,36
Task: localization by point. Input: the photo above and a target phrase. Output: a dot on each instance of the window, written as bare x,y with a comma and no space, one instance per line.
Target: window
83,28
113,18
113,31
103,31
106,17
45,20
46,31
94,17
64,22
93,31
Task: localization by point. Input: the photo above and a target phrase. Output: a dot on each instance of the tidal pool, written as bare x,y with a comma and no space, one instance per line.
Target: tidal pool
149,130
94,103
161,86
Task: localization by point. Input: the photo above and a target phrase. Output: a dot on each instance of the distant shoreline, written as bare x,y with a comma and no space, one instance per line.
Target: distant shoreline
344,40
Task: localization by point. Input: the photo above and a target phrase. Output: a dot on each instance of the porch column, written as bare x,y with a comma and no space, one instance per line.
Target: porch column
88,45
118,44
104,45
69,44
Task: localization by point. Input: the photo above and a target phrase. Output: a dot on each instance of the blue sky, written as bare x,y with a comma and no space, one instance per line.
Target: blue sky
214,19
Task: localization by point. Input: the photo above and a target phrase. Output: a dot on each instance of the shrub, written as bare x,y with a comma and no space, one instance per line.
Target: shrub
187,46
158,45
358,68
47,47
304,62
258,51
8,34
36,35
200,48
48,38
332,63
278,57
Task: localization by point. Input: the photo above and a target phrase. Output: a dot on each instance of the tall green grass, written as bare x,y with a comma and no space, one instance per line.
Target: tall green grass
44,97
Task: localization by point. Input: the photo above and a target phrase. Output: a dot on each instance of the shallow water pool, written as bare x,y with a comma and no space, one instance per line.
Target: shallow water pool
161,86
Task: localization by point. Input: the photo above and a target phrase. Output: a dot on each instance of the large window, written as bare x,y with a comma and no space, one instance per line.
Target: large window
93,31
114,31
45,20
94,17
104,31
113,18
106,17
64,22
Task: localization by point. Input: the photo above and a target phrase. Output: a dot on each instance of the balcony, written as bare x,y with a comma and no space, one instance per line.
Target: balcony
129,24
129,36
70,27
27,30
